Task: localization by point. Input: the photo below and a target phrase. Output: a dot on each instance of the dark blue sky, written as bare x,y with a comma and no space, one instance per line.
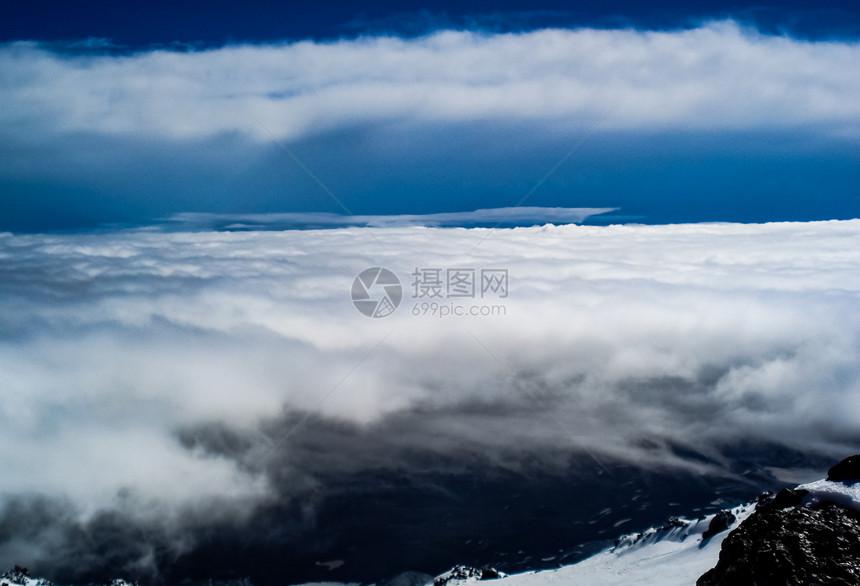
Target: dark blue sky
129,113
138,24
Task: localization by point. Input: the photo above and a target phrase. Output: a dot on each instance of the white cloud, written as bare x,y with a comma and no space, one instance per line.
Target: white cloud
693,334
718,76
123,354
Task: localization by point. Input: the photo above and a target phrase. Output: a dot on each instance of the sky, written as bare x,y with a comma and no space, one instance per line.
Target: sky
621,278
131,114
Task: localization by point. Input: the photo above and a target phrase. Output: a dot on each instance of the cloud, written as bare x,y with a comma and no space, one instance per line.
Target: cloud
163,377
162,386
757,127
718,76
287,221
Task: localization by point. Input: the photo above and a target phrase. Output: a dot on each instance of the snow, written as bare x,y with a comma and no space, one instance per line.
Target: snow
846,495
666,556
674,554
15,578
670,556
25,582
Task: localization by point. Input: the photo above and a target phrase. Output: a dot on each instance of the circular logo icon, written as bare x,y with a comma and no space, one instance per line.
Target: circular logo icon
376,292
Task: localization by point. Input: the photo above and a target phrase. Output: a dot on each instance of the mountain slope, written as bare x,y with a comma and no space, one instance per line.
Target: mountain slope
675,553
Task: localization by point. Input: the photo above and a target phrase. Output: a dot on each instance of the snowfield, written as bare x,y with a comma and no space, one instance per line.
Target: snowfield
676,553
673,554
845,495
666,556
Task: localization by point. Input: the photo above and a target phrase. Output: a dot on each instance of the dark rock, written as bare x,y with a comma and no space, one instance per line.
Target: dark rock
721,521
764,498
787,498
20,575
797,546
673,523
464,572
457,573
489,574
847,469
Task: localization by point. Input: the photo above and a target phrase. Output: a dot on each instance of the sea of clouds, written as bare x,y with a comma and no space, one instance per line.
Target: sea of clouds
159,382
186,378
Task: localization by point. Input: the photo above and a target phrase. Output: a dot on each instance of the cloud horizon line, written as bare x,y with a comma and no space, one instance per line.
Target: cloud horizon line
502,216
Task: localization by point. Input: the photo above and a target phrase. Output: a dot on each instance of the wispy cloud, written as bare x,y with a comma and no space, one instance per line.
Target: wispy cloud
286,221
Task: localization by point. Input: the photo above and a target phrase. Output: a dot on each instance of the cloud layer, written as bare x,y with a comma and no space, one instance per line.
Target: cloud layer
716,123
162,374
718,76
285,221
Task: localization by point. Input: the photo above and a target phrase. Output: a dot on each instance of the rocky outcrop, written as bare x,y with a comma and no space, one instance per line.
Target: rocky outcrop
848,469
19,576
721,521
466,572
792,540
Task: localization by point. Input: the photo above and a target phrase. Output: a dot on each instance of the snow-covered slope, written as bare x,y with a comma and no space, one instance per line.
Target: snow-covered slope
666,556
28,581
823,491
806,535
19,576
676,553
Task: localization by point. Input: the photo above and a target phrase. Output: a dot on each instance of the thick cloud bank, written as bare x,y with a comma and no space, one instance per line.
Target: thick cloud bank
716,76
184,379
